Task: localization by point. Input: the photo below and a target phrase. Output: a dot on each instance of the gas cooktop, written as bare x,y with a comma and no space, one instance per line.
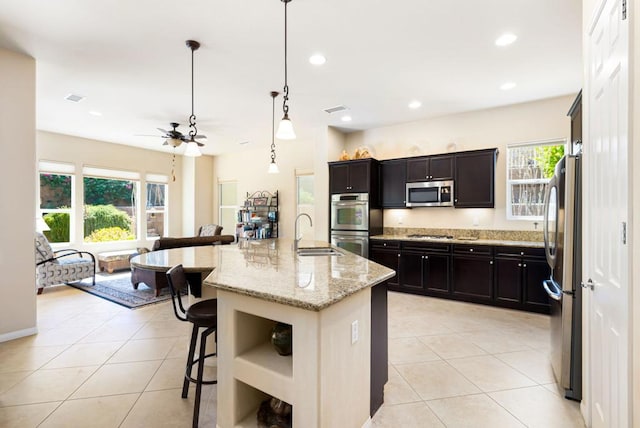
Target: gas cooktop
430,236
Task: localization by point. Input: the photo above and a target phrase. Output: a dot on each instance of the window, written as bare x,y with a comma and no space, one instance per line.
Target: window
156,206
305,200
228,206
110,205
56,200
529,168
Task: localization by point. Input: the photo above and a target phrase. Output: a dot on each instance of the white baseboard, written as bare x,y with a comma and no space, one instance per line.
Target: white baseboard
18,334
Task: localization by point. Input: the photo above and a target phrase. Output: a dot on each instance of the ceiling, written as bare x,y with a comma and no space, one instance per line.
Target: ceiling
130,61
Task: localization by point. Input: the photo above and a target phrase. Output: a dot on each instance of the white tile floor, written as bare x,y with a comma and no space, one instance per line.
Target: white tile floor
97,364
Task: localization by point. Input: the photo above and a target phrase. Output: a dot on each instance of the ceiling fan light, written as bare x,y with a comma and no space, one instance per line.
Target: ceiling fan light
285,129
273,168
173,142
192,150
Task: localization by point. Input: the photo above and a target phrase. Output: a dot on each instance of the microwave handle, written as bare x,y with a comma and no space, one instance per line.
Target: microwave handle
349,238
347,204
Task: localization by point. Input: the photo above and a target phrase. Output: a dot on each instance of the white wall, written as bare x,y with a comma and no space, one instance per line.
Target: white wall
249,169
17,187
534,121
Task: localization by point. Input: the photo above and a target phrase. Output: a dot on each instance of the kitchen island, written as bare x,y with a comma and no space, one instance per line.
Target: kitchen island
336,305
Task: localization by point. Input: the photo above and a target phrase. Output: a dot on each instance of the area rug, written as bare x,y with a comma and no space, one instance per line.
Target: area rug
117,288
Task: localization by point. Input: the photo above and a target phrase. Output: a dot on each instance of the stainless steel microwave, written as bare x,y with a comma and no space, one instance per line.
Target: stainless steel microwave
430,194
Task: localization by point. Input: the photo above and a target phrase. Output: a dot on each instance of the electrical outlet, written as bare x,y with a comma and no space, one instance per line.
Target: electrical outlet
354,332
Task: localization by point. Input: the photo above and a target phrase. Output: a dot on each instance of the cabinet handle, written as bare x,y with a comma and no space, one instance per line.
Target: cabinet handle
456,200
524,265
471,249
519,264
522,253
398,255
491,262
426,257
422,257
384,245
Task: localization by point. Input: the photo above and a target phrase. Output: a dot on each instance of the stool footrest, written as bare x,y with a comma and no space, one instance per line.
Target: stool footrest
204,382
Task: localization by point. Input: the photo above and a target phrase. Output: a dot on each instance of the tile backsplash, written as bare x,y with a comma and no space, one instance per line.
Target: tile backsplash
501,235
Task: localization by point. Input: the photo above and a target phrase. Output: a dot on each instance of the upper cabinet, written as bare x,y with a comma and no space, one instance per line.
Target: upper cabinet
393,177
354,176
475,179
429,168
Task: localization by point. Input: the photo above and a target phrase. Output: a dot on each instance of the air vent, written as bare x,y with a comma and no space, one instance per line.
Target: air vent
75,98
335,109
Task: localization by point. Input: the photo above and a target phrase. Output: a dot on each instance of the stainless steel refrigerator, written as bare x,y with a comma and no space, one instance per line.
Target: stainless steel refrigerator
563,246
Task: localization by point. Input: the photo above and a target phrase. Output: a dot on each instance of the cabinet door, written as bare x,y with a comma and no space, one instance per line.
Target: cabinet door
359,177
441,167
472,277
474,179
339,178
509,279
417,169
394,177
388,258
436,273
411,264
535,271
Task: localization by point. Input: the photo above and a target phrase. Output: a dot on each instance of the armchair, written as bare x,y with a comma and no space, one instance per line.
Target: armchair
61,267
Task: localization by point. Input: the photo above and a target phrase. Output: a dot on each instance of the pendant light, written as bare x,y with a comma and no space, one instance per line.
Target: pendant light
192,146
273,166
285,129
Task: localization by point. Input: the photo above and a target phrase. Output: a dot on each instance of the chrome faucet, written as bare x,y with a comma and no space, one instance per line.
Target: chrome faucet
296,239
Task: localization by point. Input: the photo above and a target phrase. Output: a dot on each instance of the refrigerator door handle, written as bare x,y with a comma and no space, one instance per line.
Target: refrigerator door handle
552,289
551,258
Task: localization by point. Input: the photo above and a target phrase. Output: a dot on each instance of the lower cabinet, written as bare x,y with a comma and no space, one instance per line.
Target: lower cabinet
472,272
387,253
519,276
495,275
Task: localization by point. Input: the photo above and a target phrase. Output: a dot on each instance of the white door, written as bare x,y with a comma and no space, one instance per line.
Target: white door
606,214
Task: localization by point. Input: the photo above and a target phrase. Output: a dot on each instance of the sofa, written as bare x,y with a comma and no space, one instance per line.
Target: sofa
194,241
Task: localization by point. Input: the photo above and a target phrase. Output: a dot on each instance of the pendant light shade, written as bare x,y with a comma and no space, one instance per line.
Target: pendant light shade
273,166
285,129
192,150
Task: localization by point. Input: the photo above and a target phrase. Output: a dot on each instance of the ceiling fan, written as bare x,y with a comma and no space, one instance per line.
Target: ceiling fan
174,137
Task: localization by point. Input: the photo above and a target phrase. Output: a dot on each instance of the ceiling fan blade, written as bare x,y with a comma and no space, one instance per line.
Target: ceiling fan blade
162,130
201,136
148,135
199,144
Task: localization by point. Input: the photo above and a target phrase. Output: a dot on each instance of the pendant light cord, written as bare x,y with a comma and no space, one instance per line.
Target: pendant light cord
285,107
192,119
273,126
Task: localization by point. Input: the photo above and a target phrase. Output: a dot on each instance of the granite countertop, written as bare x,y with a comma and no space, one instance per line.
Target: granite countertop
458,240
269,269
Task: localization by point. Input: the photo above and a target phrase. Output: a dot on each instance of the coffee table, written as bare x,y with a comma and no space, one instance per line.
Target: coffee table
151,268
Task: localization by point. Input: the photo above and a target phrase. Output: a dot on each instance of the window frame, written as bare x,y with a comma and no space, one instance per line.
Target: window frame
115,174
510,183
163,180
235,207
305,173
65,169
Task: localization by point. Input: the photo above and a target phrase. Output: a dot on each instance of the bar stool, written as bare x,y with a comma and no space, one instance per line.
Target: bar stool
202,314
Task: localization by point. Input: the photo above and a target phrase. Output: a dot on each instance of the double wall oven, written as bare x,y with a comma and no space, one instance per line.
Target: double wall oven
350,222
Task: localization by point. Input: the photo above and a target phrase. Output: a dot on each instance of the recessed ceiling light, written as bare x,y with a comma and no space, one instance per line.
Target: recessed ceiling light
346,118
508,85
95,113
506,39
415,104
317,59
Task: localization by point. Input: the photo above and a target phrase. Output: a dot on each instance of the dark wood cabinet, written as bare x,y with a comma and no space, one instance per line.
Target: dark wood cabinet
475,179
356,176
427,168
387,253
522,270
425,268
576,119
393,177
472,273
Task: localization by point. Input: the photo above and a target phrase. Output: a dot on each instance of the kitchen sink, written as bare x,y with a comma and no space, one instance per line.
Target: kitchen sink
318,251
